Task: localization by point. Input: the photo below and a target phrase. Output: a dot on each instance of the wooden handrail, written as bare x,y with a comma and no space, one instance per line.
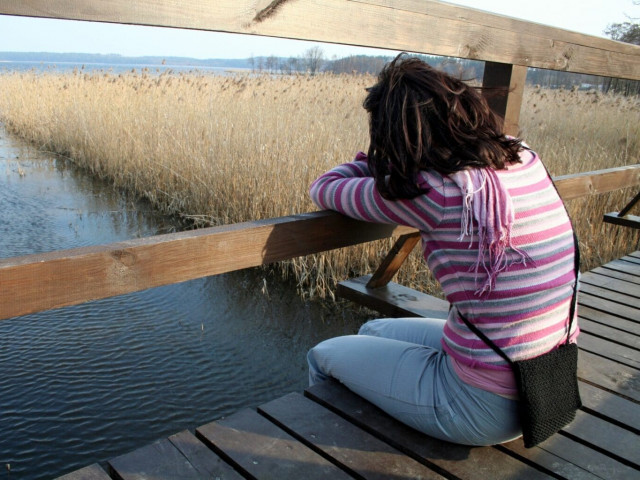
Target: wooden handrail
67,277
39,282
587,183
424,26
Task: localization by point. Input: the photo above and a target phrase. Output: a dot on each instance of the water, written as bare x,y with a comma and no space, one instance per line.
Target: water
115,68
86,383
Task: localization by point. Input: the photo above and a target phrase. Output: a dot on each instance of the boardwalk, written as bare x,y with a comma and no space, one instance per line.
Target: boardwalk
329,433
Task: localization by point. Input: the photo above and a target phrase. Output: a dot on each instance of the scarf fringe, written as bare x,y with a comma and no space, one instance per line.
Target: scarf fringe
485,200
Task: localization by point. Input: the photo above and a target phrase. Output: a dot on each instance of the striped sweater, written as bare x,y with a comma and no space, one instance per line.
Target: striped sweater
526,313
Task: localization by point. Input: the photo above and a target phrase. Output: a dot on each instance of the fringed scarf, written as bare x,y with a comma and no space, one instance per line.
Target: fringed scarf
486,200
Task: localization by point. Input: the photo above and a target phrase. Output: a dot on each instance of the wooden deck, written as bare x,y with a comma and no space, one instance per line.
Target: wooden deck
329,433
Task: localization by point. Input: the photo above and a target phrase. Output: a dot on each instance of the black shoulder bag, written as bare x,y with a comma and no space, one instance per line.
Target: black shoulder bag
547,384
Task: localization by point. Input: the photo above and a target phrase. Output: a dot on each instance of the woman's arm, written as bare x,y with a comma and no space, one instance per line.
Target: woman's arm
350,189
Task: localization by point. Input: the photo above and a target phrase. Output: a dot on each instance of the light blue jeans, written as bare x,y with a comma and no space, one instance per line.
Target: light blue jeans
398,364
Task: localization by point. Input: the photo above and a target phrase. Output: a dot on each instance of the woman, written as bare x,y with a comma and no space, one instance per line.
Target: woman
494,233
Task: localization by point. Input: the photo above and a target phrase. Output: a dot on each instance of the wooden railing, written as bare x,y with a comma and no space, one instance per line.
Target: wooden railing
508,46
67,277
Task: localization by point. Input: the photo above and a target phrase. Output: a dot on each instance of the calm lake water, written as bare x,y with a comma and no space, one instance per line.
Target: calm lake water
66,67
84,384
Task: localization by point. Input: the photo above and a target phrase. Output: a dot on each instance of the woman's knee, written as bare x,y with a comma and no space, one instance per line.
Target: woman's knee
371,327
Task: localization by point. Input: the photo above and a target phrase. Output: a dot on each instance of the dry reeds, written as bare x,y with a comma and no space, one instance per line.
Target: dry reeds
228,149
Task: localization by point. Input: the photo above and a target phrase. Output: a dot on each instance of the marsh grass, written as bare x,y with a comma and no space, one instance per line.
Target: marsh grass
221,150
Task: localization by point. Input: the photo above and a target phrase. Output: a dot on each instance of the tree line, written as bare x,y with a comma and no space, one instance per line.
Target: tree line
313,61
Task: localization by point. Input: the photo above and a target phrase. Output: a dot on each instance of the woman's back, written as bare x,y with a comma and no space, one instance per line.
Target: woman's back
526,311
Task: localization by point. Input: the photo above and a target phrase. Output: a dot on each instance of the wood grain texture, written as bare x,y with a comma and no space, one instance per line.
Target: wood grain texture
159,461
620,266
258,448
607,437
604,305
92,472
629,298
589,183
511,80
604,331
604,348
624,326
394,260
201,458
610,283
360,454
458,461
392,300
68,277
609,375
610,406
570,459
425,26
39,282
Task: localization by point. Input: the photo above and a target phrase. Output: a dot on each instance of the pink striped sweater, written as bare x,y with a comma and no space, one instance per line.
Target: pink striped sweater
526,312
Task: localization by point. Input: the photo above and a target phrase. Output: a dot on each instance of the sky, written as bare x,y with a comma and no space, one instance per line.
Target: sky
21,34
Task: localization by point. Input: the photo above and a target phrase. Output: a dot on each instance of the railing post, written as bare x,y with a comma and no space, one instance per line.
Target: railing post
504,84
505,87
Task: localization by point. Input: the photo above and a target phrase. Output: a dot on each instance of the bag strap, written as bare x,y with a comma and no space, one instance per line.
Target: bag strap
484,338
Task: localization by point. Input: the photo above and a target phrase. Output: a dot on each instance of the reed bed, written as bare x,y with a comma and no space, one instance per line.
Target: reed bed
226,149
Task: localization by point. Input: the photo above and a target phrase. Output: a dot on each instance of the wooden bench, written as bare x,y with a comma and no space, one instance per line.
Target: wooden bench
623,217
328,432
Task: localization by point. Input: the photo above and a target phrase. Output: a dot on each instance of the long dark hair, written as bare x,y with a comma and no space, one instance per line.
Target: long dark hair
422,119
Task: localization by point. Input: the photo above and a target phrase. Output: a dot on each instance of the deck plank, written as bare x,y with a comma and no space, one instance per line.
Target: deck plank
618,442
570,459
612,307
632,259
158,461
625,339
259,449
625,267
608,272
609,375
462,461
358,452
393,300
607,349
92,472
608,405
611,295
603,318
610,284
203,459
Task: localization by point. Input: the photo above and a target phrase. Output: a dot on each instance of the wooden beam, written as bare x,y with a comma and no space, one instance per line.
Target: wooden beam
67,277
425,26
589,183
394,260
631,221
504,88
392,300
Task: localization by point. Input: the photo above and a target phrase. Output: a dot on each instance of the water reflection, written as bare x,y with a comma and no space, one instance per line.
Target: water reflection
89,382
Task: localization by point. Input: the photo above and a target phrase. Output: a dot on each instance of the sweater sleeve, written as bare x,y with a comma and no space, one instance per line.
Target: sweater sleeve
350,189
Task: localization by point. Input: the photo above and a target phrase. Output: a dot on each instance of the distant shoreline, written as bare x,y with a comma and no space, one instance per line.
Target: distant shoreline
115,68
97,58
